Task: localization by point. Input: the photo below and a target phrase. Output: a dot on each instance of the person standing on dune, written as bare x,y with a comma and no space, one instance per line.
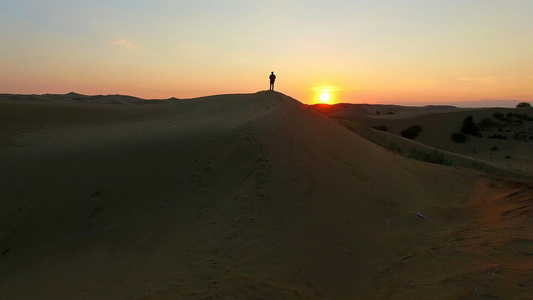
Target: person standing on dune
272,79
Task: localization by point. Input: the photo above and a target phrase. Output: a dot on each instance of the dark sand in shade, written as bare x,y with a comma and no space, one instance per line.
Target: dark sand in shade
249,196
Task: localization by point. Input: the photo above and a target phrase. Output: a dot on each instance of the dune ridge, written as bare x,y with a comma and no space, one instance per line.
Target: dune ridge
242,196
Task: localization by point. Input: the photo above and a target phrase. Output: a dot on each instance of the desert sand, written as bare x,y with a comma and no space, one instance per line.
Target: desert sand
251,196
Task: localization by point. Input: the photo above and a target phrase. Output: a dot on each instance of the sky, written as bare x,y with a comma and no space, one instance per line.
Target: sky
375,51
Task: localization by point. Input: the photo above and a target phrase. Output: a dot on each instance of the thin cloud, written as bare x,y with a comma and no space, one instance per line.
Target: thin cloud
482,80
501,81
428,81
123,43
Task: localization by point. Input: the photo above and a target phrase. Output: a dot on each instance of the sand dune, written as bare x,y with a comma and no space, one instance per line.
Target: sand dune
250,196
512,155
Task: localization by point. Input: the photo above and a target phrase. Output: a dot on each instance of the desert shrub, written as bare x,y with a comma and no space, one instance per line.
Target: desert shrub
377,112
523,104
503,118
498,116
488,123
436,157
494,148
497,136
394,147
469,127
411,132
524,117
477,165
380,127
521,135
458,137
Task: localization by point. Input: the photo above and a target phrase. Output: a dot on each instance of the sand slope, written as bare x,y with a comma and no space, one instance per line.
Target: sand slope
252,196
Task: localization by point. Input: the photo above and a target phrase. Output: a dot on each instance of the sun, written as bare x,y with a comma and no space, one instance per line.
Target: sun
325,94
324,97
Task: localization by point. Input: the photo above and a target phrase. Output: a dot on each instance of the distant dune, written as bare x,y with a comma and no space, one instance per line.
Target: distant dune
252,196
472,104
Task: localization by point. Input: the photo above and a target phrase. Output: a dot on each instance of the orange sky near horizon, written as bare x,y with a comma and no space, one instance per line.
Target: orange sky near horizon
417,51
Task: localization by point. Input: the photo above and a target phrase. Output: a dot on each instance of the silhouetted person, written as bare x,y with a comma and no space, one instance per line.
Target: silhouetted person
272,79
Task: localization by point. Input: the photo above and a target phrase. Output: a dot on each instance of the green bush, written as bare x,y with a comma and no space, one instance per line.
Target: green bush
436,157
411,132
523,104
469,127
458,137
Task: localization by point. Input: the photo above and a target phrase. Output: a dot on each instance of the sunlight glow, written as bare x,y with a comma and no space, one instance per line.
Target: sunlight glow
325,94
324,97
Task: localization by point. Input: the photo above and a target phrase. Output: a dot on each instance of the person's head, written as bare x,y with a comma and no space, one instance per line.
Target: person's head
272,72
